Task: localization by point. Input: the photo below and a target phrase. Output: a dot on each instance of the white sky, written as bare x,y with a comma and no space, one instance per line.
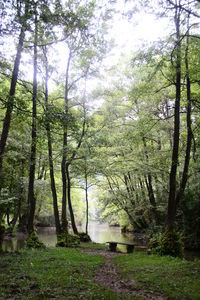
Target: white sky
142,27
128,36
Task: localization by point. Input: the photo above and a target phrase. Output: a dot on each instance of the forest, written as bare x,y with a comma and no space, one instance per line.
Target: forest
75,128
99,121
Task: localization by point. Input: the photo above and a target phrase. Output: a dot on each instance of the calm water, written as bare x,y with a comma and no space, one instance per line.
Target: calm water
99,233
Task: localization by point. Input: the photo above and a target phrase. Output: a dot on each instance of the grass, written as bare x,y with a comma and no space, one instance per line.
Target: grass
53,273
93,246
67,273
175,278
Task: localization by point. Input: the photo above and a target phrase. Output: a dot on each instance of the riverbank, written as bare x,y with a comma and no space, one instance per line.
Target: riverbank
65,273
100,233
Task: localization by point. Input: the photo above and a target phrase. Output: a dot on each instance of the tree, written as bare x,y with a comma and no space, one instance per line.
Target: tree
81,42
50,152
23,15
31,196
175,151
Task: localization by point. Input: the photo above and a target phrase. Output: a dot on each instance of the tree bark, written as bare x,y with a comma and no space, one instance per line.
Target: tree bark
142,188
50,153
64,185
172,178
64,156
8,216
169,129
53,185
148,181
10,103
69,201
86,198
189,126
31,196
17,213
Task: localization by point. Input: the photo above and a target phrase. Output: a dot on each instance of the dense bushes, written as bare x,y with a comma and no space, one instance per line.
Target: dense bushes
34,242
191,220
167,243
84,237
68,240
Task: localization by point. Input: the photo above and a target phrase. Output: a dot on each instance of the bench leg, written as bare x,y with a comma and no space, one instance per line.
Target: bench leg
130,248
113,247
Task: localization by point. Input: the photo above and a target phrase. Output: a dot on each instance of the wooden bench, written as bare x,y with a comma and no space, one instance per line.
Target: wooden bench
113,246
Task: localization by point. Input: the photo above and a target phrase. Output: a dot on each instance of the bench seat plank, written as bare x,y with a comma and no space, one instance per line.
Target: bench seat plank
113,246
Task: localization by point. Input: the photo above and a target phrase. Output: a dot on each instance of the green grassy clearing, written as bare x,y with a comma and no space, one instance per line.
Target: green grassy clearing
175,278
66,273
54,273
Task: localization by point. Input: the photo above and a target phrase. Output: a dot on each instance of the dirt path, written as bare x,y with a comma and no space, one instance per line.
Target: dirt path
108,276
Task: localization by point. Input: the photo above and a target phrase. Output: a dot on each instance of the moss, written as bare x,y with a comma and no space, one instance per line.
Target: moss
84,237
34,242
68,240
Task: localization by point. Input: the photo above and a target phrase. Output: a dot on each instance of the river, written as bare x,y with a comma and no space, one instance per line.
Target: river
99,233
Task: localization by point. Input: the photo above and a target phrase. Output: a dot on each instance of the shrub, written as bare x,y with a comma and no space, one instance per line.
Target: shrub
167,243
84,237
153,243
9,230
191,221
68,240
171,243
34,242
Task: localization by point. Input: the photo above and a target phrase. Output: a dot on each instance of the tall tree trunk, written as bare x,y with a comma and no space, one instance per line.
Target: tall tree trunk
149,185
10,103
53,185
31,196
172,178
17,213
131,191
66,163
142,188
86,198
189,127
148,181
22,218
8,216
169,119
64,154
69,201
2,233
64,185
50,152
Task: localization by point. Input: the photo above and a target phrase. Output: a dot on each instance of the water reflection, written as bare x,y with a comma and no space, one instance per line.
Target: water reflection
48,236
99,233
102,233
13,244
191,254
